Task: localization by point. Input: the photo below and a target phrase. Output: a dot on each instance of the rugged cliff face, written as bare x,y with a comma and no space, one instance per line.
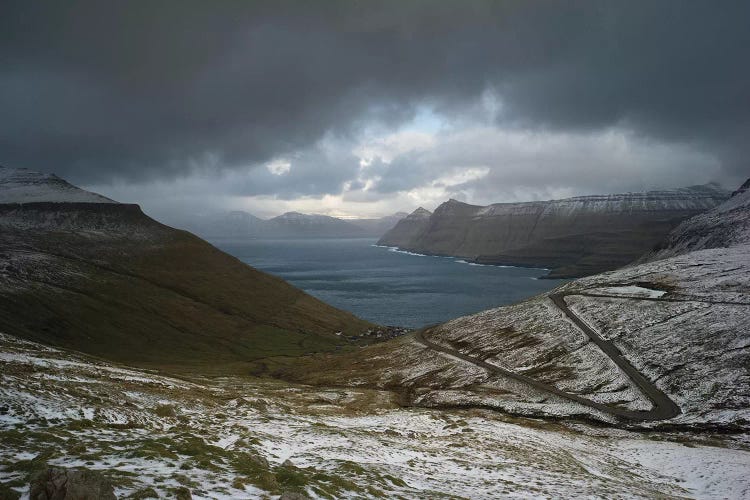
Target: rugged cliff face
105,279
573,237
407,229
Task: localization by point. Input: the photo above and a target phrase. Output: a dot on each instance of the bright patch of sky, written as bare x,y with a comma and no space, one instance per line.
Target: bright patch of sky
279,167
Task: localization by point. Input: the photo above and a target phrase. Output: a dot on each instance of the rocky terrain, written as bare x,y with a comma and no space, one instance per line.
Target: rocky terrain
663,344
572,237
145,435
105,279
726,226
239,224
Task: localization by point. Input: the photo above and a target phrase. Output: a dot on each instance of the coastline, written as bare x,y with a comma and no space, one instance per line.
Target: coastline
464,260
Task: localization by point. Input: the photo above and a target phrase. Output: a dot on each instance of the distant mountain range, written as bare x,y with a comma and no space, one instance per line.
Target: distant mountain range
239,224
573,237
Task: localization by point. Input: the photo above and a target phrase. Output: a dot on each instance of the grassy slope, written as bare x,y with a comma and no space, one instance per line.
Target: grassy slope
151,295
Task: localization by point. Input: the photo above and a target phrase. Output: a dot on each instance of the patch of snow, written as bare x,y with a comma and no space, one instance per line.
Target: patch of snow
26,186
629,291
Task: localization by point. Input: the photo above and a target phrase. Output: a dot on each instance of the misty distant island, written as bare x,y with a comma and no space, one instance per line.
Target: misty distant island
241,224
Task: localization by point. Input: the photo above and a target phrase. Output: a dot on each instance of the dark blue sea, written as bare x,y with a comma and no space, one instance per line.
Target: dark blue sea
387,286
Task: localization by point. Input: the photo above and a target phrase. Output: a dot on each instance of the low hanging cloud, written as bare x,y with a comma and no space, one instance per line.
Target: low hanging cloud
110,93
481,165
488,165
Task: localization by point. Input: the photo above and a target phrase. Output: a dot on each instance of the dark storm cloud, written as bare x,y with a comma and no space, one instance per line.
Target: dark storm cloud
136,90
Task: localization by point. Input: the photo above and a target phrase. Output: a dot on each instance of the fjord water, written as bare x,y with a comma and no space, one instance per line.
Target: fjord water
385,286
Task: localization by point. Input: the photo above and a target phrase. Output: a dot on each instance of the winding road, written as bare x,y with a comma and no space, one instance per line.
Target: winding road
663,407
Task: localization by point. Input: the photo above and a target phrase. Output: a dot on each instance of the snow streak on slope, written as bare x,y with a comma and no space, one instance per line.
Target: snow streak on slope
724,226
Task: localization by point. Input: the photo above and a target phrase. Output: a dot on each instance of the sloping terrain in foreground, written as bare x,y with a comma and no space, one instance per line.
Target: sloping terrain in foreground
105,279
663,343
154,436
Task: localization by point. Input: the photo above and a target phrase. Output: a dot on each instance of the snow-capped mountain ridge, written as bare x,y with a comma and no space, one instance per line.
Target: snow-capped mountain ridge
700,197
21,185
573,236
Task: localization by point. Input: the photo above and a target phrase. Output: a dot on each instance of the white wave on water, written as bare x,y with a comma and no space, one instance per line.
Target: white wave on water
458,261
398,250
462,261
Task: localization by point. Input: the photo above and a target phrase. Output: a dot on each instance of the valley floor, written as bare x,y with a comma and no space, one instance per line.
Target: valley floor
247,438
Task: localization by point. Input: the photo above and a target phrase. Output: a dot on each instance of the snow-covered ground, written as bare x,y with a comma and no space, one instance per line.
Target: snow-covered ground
230,438
631,291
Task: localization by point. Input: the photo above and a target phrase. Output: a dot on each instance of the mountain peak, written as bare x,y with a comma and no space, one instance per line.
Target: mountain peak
21,185
453,201
742,188
419,213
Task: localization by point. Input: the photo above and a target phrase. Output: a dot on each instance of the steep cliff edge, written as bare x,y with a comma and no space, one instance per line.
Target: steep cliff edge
105,279
573,237
407,229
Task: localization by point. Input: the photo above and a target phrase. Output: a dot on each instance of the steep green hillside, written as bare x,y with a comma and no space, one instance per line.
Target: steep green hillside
107,280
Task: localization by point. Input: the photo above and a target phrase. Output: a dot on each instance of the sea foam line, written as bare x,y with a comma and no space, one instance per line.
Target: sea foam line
398,250
458,261
462,261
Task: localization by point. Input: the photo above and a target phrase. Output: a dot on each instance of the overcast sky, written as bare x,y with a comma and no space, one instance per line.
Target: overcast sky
358,108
